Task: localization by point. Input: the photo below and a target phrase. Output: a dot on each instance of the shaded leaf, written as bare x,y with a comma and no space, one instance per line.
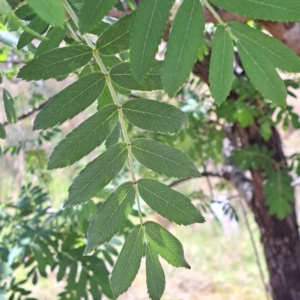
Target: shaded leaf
92,13
155,274
149,24
221,65
113,138
121,76
56,62
52,11
270,10
169,203
111,215
85,138
183,45
262,74
155,116
70,101
116,38
165,244
163,159
2,132
97,174
9,106
128,262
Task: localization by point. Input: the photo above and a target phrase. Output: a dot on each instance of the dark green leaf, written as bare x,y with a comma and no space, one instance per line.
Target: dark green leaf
113,138
155,116
183,45
278,53
128,262
111,215
85,138
9,106
2,132
57,62
71,101
262,74
149,24
97,174
121,75
92,12
105,98
52,11
37,25
169,203
53,39
163,159
165,244
25,12
269,10
116,38
155,274
221,65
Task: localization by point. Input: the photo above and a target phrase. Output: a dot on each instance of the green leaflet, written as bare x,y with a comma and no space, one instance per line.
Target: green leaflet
71,101
97,174
111,215
56,62
278,53
105,97
128,262
269,10
183,45
51,11
37,25
155,274
279,193
116,38
113,138
165,244
85,138
25,12
2,131
149,24
262,74
53,39
92,13
169,203
155,116
221,65
121,76
163,159
9,106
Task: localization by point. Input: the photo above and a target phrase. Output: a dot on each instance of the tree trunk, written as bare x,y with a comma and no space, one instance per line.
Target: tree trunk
280,239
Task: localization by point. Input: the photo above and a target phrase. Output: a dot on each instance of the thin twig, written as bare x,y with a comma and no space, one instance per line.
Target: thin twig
254,248
29,113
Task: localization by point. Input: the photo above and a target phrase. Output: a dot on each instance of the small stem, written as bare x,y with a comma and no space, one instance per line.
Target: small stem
218,18
116,101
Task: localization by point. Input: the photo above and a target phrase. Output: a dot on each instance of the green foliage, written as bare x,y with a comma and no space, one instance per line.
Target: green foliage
2,132
269,10
221,65
52,11
155,116
85,138
9,106
147,32
169,203
128,262
183,45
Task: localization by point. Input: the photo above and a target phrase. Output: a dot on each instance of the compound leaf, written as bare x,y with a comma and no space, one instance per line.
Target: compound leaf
121,75
70,101
169,203
97,174
165,244
163,159
221,65
149,24
155,116
85,138
56,63
111,215
128,262
183,45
